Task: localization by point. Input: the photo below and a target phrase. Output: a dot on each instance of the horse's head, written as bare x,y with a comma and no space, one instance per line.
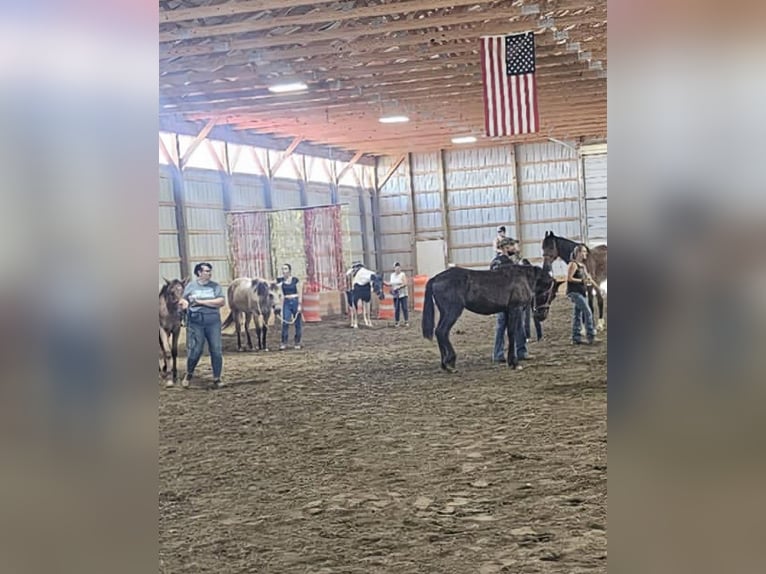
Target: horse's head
275,297
550,247
546,288
173,290
377,286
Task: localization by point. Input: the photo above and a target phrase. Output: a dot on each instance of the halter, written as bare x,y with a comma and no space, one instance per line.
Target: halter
548,298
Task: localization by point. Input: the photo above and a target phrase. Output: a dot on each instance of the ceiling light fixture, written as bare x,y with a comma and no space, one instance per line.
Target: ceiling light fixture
393,119
464,139
286,88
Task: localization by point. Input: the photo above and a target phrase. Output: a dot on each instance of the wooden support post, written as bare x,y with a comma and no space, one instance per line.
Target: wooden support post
178,199
361,195
517,198
267,198
444,205
196,142
330,172
375,203
413,215
302,184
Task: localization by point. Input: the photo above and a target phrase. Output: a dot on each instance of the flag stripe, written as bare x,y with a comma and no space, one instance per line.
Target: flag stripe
485,93
509,88
506,99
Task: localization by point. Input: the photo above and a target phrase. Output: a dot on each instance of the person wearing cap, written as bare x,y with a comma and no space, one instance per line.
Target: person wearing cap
399,293
500,236
203,299
508,256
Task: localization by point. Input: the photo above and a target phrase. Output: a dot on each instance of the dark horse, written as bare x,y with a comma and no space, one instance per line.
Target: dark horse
508,289
595,263
170,327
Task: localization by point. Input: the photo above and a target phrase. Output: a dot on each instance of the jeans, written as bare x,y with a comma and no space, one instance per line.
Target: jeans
520,341
581,313
401,303
201,327
538,324
290,310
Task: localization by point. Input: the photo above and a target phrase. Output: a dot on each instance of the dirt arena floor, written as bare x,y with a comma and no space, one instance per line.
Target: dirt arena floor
357,454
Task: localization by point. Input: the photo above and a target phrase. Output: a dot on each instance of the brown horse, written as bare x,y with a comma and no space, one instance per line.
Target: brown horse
595,263
170,327
253,297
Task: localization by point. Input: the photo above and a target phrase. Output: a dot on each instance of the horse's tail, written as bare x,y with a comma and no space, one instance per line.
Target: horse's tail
229,320
428,311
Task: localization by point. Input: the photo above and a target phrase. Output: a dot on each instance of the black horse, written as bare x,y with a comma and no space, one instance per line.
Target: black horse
595,263
508,289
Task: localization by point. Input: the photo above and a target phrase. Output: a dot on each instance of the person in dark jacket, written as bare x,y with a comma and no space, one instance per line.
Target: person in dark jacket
508,256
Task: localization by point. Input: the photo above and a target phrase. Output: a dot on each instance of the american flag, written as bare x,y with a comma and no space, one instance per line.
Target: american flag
510,91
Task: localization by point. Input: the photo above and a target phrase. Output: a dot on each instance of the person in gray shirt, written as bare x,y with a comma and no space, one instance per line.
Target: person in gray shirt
203,299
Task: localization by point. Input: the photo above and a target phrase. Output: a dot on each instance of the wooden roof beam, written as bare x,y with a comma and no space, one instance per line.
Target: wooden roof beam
494,17
349,165
198,140
288,152
382,182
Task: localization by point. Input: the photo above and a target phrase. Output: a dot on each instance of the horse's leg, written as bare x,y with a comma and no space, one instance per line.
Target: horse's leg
237,328
366,306
446,320
264,332
166,356
259,327
600,297
248,316
174,351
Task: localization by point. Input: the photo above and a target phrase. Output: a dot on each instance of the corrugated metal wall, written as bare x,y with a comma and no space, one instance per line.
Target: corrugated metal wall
205,222
351,196
480,197
285,193
170,259
247,192
549,180
427,184
204,210
595,174
537,184
396,231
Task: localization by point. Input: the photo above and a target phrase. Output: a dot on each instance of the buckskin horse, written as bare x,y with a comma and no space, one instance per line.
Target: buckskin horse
508,289
595,263
252,298
170,327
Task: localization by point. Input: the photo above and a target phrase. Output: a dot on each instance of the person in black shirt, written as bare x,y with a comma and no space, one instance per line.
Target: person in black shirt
578,281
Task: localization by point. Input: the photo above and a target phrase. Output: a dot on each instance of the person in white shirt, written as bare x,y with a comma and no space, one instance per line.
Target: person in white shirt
399,293
361,290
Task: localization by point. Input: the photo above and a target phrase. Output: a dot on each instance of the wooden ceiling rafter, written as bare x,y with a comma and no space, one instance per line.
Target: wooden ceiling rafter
503,18
364,58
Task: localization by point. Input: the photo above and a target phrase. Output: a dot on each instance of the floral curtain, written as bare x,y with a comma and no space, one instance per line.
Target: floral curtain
324,249
249,244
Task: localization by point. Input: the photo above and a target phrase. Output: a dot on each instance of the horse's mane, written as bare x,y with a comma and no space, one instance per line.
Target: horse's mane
261,286
165,290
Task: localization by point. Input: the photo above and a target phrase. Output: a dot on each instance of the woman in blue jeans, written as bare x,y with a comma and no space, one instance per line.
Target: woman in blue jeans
291,306
578,281
203,300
